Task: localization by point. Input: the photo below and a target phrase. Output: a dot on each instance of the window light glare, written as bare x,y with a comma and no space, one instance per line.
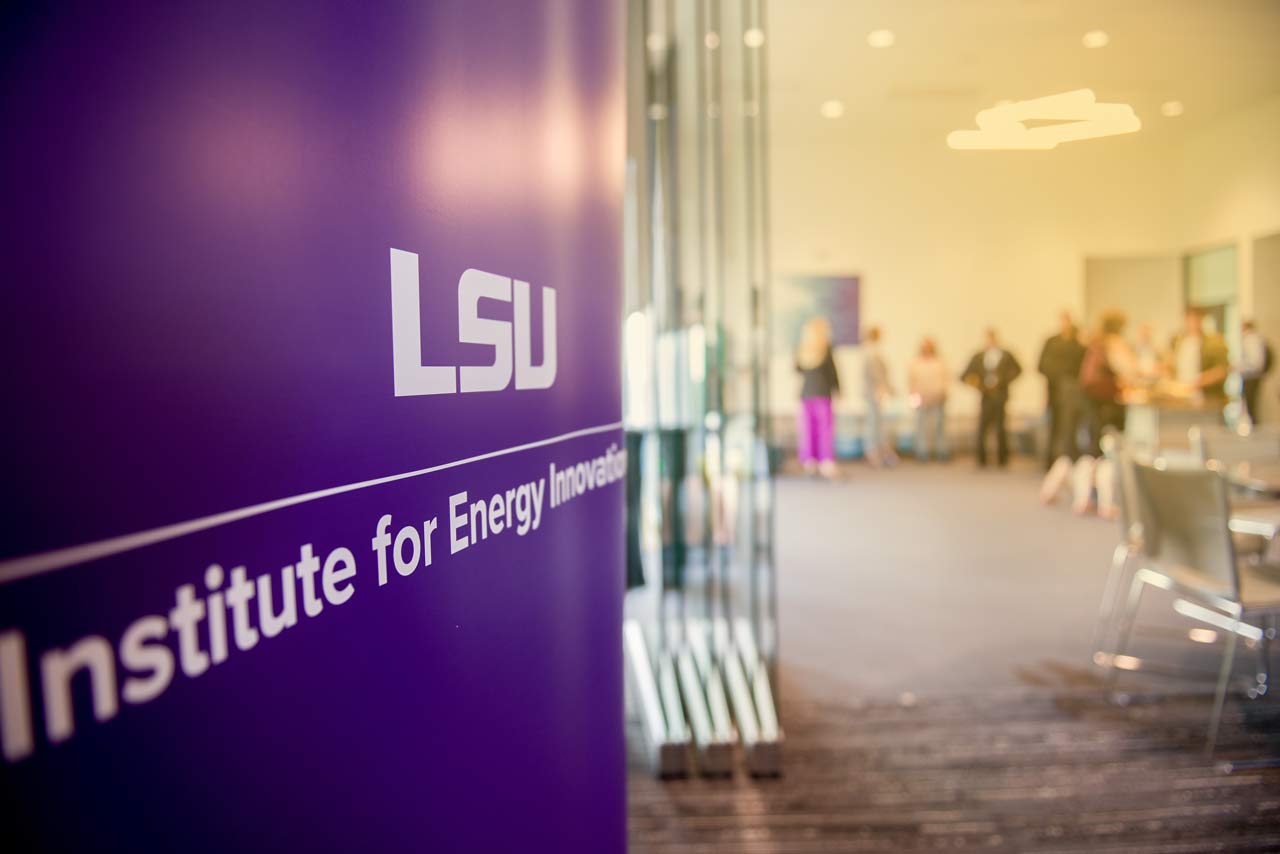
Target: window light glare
1095,39
831,109
1171,109
881,38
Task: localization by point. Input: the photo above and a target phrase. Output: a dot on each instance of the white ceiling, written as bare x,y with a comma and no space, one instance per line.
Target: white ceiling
954,57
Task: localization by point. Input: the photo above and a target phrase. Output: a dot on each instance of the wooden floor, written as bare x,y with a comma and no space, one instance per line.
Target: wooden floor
1032,770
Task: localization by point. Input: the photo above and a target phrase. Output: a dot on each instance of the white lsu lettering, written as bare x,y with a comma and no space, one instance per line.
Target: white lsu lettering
511,342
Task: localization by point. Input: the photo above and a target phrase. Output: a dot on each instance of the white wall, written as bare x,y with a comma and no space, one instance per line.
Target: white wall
1266,310
949,242
1228,187
1149,290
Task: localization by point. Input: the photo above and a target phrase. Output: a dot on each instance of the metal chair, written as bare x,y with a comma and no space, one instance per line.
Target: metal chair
1129,550
1187,549
1228,448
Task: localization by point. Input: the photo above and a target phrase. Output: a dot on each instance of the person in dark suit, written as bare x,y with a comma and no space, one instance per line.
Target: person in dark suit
991,371
1060,363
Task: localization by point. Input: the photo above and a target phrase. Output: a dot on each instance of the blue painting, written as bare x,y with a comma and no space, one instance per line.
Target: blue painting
797,298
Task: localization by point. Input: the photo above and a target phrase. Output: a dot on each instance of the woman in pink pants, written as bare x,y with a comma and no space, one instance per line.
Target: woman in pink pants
816,424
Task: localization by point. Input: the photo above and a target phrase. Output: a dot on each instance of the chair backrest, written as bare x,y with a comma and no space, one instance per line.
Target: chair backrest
1184,514
1116,449
1228,446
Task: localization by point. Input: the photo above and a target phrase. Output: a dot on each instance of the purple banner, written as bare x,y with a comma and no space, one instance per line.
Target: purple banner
313,526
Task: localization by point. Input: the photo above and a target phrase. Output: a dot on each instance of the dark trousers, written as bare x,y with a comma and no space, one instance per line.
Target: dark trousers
992,418
1251,387
1064,422
1103,414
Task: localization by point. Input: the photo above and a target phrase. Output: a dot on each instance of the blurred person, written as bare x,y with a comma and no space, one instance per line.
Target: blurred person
1109,367
876,390
991,371
1255,363
1200,360
1060,364
1109,364
815,434
1148,358
927,381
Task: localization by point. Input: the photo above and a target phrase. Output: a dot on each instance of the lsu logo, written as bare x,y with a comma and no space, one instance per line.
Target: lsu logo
511,342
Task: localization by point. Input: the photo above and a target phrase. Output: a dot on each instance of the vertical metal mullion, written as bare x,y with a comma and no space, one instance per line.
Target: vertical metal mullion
717,162
750,106
771,651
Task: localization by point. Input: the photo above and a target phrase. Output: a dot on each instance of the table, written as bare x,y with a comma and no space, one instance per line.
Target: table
1261,520
1258,476
1159,424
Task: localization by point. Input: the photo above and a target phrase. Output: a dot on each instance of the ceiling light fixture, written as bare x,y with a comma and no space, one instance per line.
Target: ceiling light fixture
712,41
1171,109
1070,116
831,109
881,38
1095,39
753,37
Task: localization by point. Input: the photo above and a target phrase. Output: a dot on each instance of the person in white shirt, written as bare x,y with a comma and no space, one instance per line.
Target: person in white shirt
1150,365
927,381
1199,359
1254,362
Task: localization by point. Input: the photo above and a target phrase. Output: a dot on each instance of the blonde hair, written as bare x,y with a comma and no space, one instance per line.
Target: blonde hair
815,343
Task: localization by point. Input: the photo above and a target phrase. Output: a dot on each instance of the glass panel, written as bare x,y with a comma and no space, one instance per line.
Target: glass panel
695,326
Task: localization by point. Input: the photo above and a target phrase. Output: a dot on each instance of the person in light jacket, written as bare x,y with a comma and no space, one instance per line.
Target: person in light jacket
927,381
876,391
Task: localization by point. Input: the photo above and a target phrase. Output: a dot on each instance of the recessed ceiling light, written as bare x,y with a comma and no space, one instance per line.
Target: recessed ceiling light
880,38
753,37
1171,109
1095,38
712,41
831,109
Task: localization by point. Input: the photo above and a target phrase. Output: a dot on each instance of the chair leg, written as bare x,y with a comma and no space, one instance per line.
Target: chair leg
1127,619
1110,604
1262,681
1220,697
